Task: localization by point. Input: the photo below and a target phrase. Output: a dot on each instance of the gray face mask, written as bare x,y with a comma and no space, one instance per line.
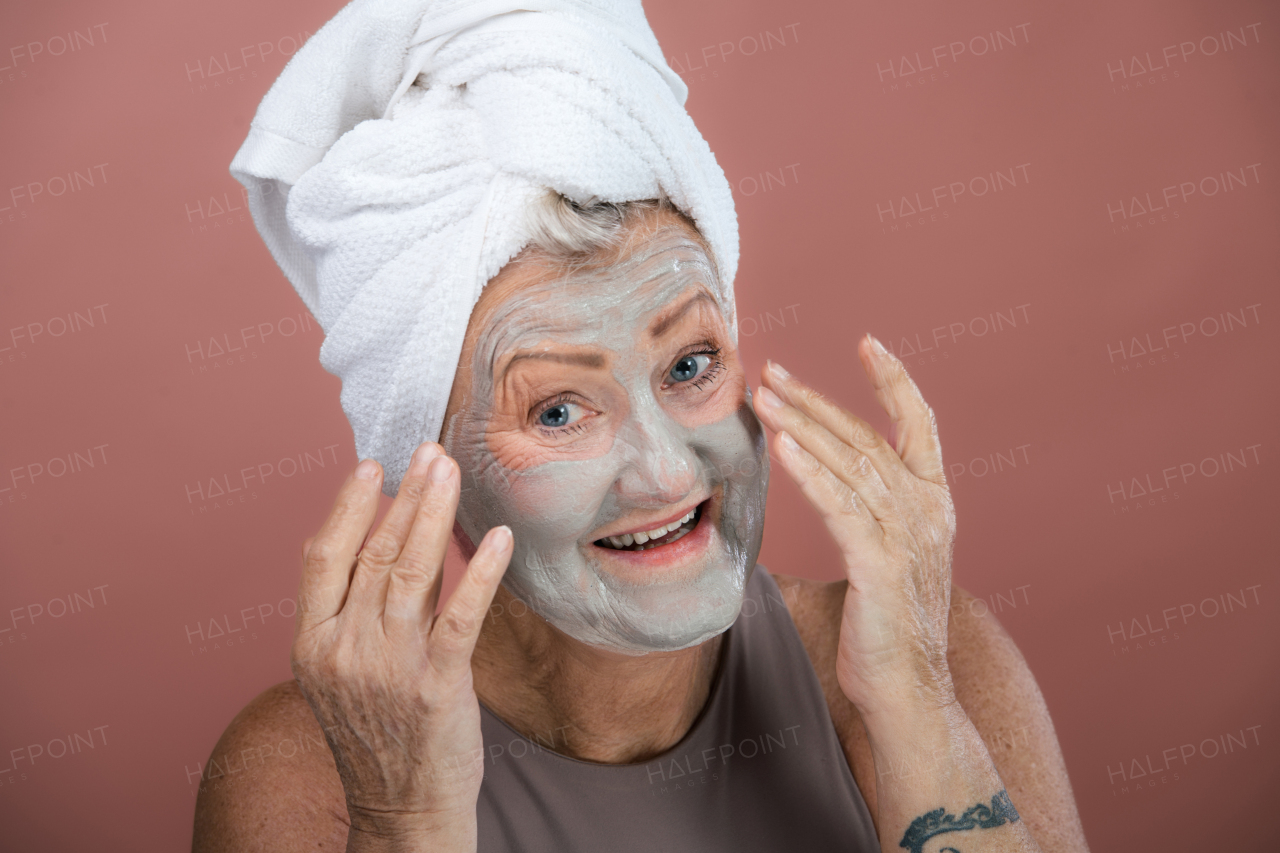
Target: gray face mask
642,451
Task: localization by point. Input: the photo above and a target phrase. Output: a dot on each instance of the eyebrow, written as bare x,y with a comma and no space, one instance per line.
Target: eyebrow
583,359
665,322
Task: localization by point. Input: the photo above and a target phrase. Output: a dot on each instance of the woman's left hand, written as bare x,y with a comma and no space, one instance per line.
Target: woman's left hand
890,512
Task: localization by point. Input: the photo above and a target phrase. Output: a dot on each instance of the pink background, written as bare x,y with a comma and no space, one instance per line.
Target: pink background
1026,314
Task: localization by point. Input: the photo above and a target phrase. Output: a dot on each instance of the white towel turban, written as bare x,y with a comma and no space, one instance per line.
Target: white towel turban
391,166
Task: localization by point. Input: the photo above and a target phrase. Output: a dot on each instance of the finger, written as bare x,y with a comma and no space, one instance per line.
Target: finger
326,570
453,636
850,465
913,420
306,546
379,554
849,428
851,524
414,584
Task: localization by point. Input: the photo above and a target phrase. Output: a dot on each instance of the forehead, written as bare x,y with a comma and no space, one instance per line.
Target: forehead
600,305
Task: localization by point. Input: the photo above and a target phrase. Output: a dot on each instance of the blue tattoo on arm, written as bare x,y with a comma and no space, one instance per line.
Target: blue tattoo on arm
936,822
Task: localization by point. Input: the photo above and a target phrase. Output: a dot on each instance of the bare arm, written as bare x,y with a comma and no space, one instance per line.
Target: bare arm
890,512
994,686
999,693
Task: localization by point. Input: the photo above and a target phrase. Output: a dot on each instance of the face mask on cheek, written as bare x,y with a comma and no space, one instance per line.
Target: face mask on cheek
652,464
553,508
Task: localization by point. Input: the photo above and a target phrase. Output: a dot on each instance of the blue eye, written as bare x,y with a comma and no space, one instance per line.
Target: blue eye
560,414
556,416
689,367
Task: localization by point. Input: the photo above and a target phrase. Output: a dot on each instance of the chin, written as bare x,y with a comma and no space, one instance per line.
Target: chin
650,637
656,617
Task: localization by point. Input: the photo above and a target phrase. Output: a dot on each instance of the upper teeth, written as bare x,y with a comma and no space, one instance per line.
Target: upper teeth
641,538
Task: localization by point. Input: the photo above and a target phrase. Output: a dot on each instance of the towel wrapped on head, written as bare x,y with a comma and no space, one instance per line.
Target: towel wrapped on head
392,165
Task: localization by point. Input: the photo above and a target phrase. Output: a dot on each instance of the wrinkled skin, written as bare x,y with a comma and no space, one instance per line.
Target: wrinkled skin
890,512
390,682
636,443
393,684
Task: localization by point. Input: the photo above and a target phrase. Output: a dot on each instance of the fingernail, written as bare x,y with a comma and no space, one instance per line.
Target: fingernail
787,441
367,470
501,537
422,458
440,469
876,345
768,399
779,370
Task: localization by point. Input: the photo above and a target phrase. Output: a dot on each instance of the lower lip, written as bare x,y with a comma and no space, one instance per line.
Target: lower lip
684,551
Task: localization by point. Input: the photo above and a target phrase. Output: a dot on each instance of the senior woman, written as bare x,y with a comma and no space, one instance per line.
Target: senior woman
546,287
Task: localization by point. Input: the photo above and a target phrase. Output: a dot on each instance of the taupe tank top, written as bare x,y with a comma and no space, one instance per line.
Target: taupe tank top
761,768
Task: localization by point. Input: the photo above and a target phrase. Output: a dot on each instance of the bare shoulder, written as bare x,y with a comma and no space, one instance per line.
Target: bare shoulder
993,684
271,783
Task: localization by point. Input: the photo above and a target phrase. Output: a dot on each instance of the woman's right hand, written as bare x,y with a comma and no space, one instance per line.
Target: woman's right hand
389,681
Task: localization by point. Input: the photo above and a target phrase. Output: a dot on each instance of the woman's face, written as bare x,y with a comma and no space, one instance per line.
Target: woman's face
602,414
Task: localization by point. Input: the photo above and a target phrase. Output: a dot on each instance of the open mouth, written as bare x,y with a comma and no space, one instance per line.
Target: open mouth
657,537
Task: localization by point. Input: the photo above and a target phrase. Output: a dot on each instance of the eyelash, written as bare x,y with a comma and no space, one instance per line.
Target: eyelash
713,370
551,404
708,376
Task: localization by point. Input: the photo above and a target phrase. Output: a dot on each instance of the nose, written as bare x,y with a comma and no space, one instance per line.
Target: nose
660,468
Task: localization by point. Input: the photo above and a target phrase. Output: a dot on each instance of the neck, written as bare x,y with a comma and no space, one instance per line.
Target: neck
583,701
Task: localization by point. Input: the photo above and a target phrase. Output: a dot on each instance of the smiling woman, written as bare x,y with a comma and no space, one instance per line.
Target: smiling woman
602,400
548,292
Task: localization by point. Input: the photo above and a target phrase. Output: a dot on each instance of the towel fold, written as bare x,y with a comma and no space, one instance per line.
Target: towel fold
391,166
